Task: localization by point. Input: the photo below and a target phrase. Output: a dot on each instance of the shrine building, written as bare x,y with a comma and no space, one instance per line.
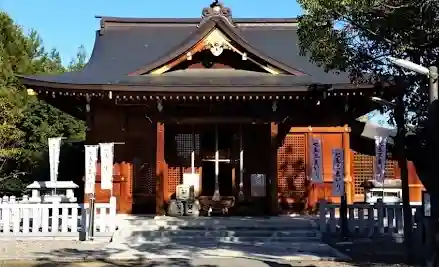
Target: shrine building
230,99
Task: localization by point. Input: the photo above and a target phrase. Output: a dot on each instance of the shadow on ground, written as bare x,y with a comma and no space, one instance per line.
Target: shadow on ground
373,251
105,261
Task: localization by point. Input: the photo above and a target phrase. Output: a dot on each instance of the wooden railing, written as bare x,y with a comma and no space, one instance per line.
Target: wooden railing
365,219
57,220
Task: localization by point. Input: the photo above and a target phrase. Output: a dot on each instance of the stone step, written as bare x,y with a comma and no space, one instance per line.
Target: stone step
285,228
220,223
226,233
209,239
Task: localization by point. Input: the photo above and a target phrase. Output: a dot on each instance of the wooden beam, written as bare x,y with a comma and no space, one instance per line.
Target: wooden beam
349,185
335,129
273,176
161,181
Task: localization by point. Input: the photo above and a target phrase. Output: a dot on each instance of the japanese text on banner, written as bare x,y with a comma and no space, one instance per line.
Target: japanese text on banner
107,155
338,172
91,158
380,158
54,150
316,161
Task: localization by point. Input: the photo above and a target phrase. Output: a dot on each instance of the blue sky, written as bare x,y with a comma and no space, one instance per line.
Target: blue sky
65,25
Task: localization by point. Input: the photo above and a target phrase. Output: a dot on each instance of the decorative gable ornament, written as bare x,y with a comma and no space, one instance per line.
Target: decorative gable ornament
216,42
217,9
216,49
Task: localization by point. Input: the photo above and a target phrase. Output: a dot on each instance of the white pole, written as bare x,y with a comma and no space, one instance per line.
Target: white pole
193,154
241,164
216,194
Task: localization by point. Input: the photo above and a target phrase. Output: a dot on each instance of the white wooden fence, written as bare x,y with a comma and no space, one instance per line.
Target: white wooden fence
24,220
365,219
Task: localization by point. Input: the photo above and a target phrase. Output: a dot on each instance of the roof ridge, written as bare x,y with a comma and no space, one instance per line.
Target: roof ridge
108,21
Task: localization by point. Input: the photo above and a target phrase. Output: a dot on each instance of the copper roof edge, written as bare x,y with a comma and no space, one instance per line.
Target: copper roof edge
34,82
110,19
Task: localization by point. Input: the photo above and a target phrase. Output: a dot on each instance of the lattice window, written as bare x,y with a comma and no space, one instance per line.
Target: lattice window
145,183
363,170
183,146
391,166
291,163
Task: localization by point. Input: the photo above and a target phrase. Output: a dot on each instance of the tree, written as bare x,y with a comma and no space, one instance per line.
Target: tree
356,36
25,121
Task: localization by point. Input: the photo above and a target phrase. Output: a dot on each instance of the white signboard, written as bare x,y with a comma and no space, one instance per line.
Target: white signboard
54,151
380,158
107,158
257,185
338,172
316,161
91,158
192,179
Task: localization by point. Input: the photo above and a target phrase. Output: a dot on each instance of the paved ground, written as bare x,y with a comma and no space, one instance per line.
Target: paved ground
81,254
372,252
208,262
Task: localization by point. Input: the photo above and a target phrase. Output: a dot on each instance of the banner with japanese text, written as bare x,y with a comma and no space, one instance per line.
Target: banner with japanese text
338,172
91,159
316,161
54,151
107,159
380,158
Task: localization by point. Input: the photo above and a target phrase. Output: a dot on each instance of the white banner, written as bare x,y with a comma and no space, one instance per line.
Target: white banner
91,158
107,158
54,151
380,158
316,161
338,172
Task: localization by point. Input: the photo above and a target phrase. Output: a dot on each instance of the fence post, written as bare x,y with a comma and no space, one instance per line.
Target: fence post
380,212
6,215
322,215
113,203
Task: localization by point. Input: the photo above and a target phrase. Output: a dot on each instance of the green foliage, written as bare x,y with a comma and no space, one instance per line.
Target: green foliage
25,121
357,36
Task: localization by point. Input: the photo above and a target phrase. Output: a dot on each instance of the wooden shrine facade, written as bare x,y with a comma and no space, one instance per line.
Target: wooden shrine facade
221,97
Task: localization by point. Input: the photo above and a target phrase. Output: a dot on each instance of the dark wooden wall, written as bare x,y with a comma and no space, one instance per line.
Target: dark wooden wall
144,178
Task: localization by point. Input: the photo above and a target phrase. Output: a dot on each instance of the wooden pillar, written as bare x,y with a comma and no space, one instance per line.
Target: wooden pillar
160,170
274,204
349,188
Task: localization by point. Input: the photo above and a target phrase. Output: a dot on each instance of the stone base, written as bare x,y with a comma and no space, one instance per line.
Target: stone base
181,208
175,208
192,208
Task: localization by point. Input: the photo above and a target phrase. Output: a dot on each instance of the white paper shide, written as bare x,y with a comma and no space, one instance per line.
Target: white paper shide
107,158
338,172
316,161
91,158
380,158
54,150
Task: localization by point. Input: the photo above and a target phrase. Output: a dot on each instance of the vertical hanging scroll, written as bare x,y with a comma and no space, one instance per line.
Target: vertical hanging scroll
107,158
54,151
91,158
316,161
337,172
380,158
